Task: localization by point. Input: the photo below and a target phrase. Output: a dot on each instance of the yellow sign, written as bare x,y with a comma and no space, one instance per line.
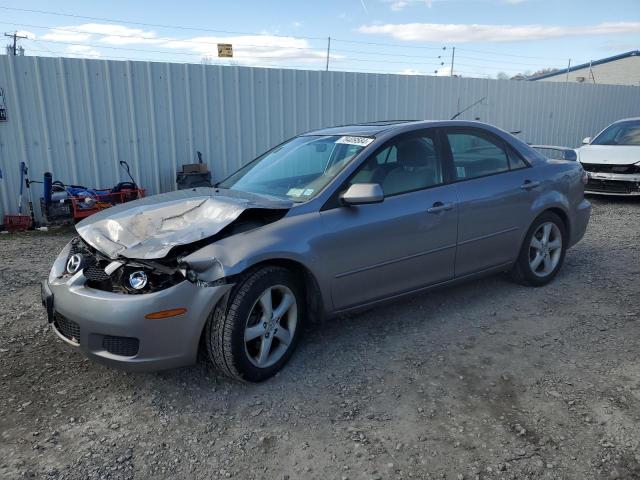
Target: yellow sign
225,50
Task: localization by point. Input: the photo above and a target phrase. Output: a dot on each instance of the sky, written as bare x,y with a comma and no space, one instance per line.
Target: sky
386,36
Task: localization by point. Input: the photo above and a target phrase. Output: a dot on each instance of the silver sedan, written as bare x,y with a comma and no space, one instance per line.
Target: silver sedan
328,222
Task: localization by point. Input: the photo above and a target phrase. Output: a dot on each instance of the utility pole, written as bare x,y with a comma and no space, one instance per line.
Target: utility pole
568,68
15,37
453,57
328,51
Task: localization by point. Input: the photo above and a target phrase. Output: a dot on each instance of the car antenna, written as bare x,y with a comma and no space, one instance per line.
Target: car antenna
467,108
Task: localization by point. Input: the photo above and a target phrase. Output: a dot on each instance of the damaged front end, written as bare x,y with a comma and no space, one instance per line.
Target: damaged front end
140,247
118,276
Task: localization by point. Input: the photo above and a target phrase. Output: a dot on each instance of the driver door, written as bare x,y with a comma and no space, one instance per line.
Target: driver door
408,241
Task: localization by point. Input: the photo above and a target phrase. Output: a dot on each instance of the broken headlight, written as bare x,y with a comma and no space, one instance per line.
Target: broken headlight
138,280
210,273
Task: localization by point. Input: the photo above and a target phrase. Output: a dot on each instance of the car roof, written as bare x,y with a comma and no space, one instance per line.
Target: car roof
363,129
631,119
374,129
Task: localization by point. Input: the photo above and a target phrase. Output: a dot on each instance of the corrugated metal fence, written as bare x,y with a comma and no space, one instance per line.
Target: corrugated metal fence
79,118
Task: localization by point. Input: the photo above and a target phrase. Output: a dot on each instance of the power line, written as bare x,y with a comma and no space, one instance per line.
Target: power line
511,62
510,54
388,44
232,32
379,53
319,56
141,37
176,27
257,65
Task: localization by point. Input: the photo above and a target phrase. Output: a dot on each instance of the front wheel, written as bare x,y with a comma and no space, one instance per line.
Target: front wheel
542,251
254,333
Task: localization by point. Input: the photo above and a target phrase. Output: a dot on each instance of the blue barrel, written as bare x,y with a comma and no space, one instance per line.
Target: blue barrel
48,180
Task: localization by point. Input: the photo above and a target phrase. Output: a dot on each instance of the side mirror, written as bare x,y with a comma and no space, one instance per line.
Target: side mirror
363,193
586,140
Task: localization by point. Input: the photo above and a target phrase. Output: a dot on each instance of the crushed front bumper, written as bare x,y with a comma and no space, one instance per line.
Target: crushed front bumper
111,328
606,183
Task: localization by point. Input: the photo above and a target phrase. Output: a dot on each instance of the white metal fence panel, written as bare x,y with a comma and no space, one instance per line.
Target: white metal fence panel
78,118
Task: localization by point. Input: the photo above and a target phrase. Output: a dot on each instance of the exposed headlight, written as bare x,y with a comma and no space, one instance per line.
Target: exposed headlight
191,275
138,280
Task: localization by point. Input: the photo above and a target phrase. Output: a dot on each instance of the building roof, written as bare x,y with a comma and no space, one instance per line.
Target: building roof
593,63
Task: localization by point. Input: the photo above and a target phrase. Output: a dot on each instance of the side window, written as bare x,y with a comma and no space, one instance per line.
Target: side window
476,155
407,164
388,155
516,161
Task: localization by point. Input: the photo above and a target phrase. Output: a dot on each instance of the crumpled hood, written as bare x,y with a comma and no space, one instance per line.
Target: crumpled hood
149,227
609,154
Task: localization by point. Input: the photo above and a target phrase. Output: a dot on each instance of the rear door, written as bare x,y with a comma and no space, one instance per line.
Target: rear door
496,189
408,241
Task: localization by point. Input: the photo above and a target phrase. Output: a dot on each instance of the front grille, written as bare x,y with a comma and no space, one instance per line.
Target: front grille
611,186
68,328
95,273
123,346
605,168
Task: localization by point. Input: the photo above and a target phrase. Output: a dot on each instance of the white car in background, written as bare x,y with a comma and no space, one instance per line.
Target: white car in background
612,159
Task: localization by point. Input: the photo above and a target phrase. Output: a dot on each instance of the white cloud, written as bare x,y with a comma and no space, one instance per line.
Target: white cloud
247,49
398,5
62,35
410,71
108,33
253,48
26,33
84,51
460,33
444,72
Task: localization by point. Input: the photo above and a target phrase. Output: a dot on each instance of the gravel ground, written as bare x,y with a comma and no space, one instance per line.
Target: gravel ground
484,380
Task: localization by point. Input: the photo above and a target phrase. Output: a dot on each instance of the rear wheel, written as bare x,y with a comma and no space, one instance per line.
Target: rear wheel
542,251
253,335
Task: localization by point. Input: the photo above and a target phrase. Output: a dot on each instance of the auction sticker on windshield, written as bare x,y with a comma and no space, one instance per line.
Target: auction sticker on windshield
361,141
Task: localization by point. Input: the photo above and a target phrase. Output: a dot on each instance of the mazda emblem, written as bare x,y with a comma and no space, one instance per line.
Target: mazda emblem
74,263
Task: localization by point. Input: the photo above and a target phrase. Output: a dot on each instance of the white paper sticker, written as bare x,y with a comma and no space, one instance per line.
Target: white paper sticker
307,192
460,172
361,141
295,192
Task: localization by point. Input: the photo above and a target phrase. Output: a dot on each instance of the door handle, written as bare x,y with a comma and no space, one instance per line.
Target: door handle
438,207
528,185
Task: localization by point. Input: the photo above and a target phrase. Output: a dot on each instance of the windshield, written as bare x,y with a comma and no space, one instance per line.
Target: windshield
623,133
298,169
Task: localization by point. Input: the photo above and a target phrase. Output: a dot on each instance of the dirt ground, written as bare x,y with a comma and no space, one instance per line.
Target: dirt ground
486,380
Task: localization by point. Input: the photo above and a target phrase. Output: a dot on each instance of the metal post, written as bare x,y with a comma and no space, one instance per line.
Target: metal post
328,51
568,68
453,56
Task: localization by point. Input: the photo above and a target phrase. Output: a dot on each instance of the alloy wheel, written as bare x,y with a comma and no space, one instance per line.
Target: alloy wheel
271,326
545,249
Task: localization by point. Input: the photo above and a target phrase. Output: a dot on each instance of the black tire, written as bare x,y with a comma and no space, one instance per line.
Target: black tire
522,271
225,329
